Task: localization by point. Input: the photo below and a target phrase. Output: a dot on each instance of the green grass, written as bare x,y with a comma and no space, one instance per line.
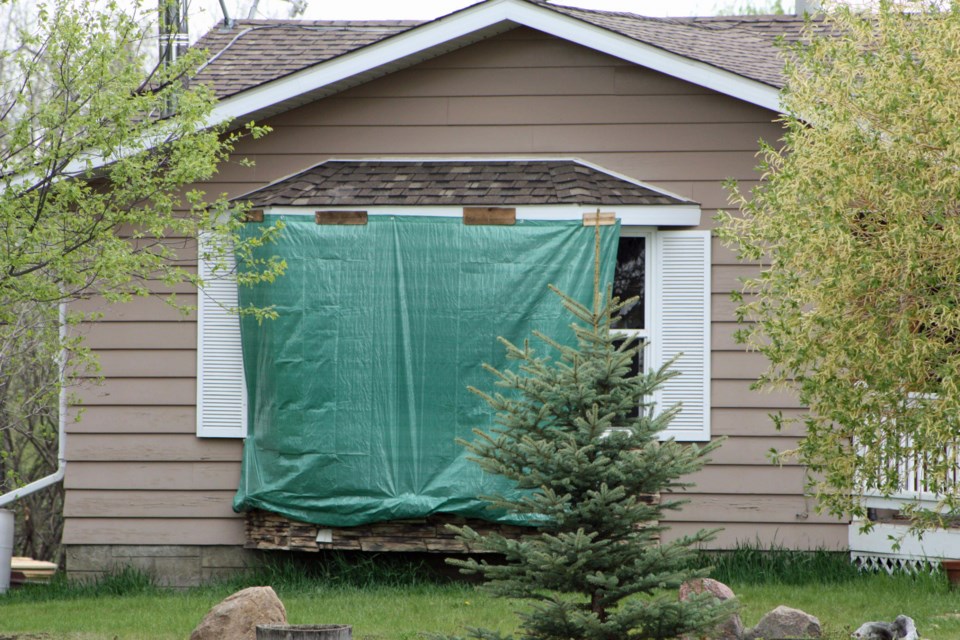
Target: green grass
391,600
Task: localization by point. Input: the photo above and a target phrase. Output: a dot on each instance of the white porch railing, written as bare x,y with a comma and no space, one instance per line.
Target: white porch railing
915,477
914,482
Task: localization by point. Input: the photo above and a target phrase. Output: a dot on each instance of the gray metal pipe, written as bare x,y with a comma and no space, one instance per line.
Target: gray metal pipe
6,548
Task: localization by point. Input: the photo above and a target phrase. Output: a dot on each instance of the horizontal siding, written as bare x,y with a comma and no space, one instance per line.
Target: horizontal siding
521,110
139,335
738,394
763,479
138,475
141,363
737,365
160,503
142,309
805,535
751,421
152,476
441,139
141,419
167,447
745,509
752,450
728,278
139,391
149,531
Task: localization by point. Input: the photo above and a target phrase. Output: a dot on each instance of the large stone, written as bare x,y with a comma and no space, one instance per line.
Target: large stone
784,623
237,616
732,627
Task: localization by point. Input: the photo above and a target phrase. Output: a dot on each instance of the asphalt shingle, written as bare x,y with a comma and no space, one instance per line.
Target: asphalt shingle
254,52
454,182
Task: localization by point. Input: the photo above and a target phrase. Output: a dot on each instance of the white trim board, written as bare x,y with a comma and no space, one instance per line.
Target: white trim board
939,543
470,25
634,215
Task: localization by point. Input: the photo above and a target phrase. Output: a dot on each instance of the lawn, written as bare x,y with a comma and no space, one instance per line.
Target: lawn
402,607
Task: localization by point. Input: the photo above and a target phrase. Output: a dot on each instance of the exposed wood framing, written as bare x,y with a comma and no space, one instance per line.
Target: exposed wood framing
489,215
341,217
599,219
270,531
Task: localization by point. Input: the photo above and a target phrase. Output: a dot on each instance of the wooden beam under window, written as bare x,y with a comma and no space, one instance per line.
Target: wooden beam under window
599,219
341,217
489,215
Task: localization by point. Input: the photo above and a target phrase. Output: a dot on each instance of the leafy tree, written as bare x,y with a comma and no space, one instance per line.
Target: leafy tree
580,433
93,199
857,225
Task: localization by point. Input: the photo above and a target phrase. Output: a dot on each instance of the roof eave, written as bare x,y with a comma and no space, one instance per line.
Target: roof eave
464,27
643,215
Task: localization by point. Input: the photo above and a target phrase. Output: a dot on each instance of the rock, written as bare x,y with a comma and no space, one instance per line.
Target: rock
784,623
714,587
732,628
236,617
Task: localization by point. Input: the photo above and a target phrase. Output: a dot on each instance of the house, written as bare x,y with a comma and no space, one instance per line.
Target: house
515,111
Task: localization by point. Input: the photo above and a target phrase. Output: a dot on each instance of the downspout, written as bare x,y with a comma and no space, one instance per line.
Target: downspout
57,475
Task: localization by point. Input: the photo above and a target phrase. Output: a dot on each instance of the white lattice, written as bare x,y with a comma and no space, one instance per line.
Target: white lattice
893,564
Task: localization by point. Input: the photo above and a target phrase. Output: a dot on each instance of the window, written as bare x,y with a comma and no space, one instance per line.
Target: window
669,270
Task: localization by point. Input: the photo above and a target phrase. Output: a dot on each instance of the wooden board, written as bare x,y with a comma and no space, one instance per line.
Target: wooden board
489,216
273,532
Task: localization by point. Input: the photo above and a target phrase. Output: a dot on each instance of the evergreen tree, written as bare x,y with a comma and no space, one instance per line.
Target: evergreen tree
579,432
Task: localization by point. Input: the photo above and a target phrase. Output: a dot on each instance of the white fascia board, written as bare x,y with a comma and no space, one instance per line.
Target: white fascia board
477,18
391,49
632,215
937,543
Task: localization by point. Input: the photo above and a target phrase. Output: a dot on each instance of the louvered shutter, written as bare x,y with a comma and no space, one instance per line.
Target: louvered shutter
682,326
221,389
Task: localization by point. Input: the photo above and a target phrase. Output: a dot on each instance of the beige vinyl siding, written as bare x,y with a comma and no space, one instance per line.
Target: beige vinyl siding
138,475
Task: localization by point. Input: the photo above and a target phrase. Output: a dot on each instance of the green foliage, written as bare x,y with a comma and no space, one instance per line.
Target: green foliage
570,432
858,226
122,582
95,200
757,565
413,612
333,570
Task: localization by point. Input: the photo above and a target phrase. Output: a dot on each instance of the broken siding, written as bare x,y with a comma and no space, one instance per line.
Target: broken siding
138,475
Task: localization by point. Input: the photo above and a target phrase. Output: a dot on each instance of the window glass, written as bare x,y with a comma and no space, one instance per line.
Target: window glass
628,281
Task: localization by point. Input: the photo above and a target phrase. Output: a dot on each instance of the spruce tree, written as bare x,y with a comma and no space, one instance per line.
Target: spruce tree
579,432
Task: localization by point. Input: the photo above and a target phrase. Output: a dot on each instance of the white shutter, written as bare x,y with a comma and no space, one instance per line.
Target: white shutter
221,388
682,326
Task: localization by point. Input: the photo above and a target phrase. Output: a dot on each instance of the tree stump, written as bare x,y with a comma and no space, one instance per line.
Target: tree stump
304,632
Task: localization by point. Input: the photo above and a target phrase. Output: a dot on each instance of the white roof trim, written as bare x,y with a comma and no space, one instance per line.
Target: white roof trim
416,41
677,215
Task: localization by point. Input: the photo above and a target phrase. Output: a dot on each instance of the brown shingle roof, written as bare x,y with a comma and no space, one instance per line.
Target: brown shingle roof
254,52
737,50
789,27
454,182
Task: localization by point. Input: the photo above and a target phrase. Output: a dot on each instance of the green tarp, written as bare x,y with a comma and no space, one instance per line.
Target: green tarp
358,390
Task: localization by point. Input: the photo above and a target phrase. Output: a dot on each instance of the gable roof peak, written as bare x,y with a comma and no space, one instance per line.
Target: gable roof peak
260,67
